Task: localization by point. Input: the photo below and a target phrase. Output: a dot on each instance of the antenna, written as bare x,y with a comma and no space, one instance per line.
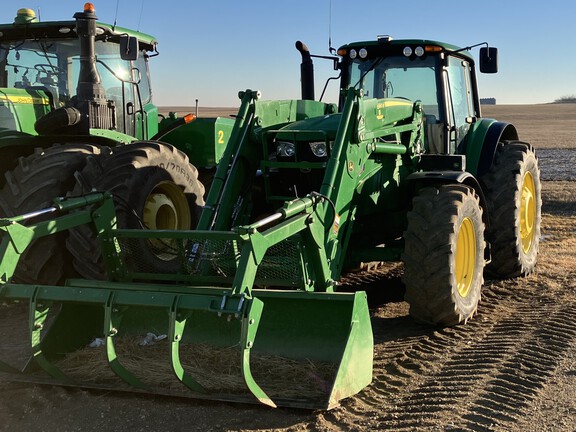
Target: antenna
330,48
116,15
140,18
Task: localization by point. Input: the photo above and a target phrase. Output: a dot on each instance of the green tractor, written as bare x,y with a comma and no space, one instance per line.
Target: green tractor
402,168
73,91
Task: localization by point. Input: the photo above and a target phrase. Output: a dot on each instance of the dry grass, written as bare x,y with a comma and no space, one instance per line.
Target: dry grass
216,369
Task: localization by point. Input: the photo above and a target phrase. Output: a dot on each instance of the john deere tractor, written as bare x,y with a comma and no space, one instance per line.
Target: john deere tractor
403,167
72,91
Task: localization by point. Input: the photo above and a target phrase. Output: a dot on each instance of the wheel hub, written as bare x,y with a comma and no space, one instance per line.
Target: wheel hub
465,257
527,212
166,208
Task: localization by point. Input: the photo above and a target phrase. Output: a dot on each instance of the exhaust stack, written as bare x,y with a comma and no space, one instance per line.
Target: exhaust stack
306,72
96,111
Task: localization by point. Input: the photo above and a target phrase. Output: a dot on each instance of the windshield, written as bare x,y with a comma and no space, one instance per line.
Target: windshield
398,76
54,66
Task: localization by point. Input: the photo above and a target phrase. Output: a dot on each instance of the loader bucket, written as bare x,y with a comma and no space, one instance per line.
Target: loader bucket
208,330
282,348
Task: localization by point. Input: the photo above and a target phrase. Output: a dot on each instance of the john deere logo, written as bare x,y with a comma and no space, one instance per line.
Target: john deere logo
380,110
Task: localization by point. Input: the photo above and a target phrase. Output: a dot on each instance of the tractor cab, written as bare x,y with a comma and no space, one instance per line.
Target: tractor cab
41,66
440,76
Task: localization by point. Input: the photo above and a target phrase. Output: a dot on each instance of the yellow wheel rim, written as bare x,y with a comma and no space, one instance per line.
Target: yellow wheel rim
465,256
527,212
166,208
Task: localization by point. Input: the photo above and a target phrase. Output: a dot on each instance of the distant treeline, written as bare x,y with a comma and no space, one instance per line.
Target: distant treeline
566,99
488,101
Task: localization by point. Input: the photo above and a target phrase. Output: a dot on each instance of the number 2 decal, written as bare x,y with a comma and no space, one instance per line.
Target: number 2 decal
220,137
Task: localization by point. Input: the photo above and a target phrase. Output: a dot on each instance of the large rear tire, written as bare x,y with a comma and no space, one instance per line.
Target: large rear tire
154,186
444,255
32,185
513,194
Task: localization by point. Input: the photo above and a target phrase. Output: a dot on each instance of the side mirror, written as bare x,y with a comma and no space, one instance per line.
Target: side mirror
488,60
128,47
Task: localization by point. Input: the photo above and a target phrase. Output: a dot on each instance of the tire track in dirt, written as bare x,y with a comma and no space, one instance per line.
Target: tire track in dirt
481,376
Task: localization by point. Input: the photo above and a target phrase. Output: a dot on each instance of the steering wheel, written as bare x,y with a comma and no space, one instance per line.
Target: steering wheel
48,69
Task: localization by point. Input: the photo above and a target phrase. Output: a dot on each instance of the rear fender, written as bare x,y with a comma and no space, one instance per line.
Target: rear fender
482,141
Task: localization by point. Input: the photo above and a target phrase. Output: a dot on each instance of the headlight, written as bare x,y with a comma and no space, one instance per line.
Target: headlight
318,148
285,149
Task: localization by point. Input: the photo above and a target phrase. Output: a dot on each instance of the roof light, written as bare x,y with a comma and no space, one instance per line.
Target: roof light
407,51
432,48
189,118
89,8
419,51
25,16
342,52
353,54
384,38
363,53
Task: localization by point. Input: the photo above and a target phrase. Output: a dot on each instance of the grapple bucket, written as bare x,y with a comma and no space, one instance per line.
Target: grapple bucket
207,332
283,348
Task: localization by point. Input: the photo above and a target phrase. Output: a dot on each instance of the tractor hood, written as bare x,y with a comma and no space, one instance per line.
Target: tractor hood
312,129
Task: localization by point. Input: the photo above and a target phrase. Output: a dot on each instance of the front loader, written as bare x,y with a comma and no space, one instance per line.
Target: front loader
248,306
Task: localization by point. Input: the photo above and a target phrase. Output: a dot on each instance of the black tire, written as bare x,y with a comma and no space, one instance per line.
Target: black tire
513,194
32,185
444,255
148,180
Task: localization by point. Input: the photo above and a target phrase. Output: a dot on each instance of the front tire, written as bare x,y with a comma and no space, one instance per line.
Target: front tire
32,185
513,195
154,186
444,255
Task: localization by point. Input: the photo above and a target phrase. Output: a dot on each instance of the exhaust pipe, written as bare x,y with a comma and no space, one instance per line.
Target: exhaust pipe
306,72
96,111
89,82
91,109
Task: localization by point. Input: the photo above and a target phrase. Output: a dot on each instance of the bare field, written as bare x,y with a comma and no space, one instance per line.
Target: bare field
202,111
542,125
511,368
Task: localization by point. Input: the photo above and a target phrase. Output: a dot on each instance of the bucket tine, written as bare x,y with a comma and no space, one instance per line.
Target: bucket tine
249,328
112,320
37,318
176,332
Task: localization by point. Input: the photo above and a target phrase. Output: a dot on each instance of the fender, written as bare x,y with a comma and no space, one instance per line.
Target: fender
482,141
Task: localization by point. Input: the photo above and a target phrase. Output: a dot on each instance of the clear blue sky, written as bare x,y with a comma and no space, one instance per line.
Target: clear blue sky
211,49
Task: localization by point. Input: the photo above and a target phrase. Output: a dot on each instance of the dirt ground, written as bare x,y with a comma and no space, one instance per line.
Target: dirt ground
511,368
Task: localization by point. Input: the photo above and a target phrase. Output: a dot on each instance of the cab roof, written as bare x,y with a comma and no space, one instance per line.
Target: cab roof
67,30
386,43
